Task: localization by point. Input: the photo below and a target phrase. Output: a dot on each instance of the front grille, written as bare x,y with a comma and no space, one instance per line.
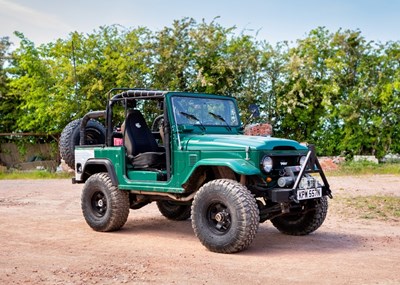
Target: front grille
280,162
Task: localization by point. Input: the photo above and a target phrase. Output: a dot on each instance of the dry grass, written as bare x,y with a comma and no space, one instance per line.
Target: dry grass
384,208
42,174
365,168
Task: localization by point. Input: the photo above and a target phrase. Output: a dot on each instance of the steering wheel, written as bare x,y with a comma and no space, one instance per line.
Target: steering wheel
157,123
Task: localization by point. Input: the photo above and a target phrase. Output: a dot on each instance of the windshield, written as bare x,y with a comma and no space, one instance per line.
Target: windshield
204,111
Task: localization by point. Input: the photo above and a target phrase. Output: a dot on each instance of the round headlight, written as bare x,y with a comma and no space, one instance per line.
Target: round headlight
302,160
267,163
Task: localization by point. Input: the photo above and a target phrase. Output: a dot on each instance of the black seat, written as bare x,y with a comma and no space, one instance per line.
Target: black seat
141,146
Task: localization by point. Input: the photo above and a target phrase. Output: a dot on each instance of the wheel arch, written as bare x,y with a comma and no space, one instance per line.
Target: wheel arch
239,166
93,166
210,169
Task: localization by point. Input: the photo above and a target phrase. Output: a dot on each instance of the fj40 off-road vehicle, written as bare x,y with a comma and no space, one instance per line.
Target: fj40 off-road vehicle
194,162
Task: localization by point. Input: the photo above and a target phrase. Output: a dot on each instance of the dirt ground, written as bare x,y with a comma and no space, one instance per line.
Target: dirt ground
45,240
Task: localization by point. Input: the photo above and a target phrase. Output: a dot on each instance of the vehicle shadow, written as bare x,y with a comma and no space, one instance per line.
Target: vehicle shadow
268,241
158,225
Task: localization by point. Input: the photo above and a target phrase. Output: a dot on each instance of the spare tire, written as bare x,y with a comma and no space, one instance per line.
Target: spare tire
95,134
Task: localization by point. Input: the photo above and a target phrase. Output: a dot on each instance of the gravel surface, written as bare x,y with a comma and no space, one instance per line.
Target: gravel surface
45,240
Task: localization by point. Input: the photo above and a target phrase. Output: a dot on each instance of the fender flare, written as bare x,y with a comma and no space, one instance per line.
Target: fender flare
94,164
239,166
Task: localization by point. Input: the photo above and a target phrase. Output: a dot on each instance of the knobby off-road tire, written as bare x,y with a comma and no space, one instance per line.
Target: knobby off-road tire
95,134
306,222
104,206
174,211
225,216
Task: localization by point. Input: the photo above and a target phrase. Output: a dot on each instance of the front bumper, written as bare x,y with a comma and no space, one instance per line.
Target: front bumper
281,195
302,185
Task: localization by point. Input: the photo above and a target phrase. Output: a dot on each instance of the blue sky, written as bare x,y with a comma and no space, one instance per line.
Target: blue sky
43,21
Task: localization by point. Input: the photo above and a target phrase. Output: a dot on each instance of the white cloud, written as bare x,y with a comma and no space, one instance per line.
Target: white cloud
36,25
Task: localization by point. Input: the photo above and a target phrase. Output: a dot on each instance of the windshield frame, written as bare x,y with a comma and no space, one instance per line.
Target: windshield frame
198,110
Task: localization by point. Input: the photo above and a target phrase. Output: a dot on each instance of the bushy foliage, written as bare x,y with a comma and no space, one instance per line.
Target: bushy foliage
335,90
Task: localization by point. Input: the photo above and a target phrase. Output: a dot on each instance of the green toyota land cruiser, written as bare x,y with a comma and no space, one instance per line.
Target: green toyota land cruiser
187,152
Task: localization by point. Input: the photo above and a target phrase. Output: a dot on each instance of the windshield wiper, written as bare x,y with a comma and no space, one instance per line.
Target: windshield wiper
219,117
194,118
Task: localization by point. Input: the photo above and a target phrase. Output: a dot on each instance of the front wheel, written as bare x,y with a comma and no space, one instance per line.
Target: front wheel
104,206
225,216
309,219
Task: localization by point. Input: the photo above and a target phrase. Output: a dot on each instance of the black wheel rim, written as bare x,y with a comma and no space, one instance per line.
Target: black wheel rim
99,204
219,218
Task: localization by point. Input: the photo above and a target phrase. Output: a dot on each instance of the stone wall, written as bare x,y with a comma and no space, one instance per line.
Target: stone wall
29,156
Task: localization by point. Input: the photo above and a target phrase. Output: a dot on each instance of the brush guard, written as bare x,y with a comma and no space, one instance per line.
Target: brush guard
298,183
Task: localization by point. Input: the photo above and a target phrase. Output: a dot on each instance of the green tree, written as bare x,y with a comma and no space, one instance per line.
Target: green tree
31,83
383,110
172,55
333,89
207,57
307,86
4,47
61,81
8,103
225,63
271,80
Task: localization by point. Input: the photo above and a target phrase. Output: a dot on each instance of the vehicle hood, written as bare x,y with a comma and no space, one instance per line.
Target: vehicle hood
236,142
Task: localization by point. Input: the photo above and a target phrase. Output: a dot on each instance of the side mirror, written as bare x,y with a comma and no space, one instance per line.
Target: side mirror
254,111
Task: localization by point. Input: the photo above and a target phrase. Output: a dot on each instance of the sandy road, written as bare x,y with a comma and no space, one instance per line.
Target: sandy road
45,240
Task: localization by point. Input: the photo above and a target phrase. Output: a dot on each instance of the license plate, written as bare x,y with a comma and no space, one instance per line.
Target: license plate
305,194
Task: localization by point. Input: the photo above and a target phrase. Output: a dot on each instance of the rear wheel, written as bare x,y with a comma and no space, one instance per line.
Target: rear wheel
95,134
310,218
174,211
225,216
104,206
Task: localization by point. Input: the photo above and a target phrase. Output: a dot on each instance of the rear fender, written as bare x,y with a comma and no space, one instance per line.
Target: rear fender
96,165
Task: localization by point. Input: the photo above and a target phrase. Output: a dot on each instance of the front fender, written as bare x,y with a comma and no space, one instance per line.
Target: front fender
240,166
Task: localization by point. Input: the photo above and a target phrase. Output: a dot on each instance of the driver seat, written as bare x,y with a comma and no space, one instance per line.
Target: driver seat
141,146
